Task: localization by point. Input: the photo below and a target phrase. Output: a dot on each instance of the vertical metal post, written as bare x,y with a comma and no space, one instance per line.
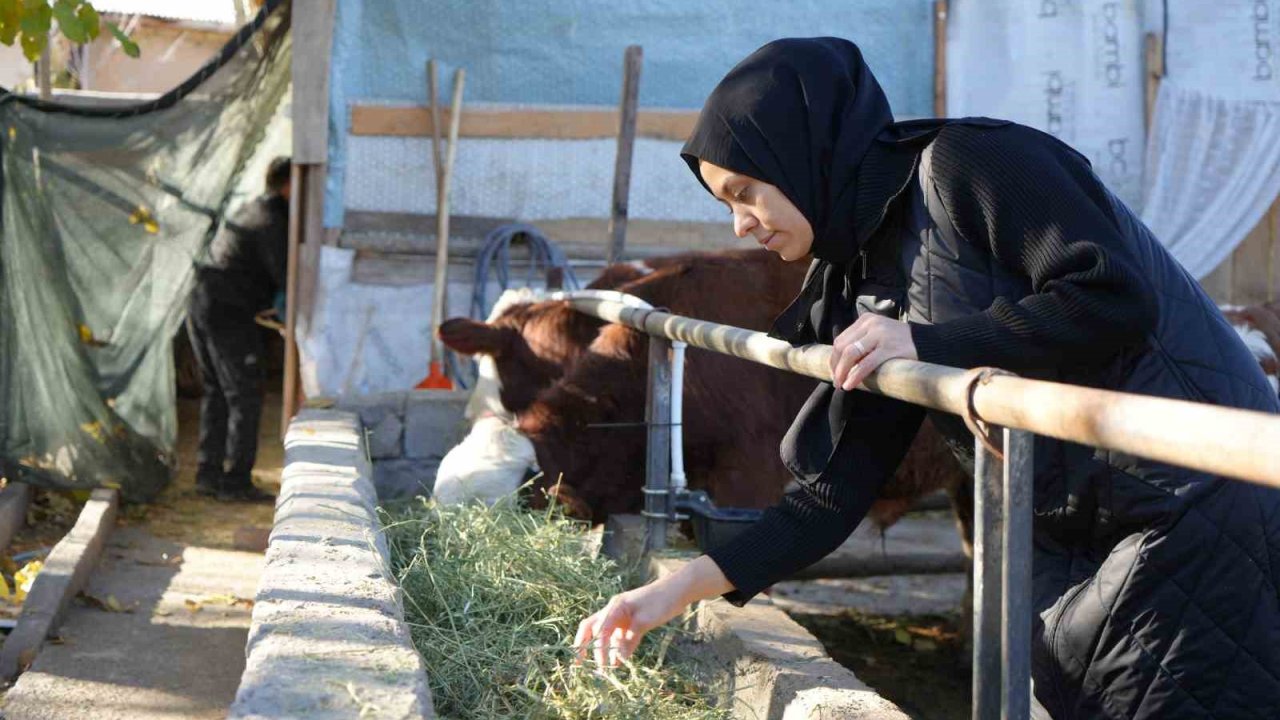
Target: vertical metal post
988,504
1018,491
657,416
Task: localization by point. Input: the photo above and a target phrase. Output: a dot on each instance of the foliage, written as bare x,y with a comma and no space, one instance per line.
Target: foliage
29,23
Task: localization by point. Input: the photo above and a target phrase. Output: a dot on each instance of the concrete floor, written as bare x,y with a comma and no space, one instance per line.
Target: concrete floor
177,650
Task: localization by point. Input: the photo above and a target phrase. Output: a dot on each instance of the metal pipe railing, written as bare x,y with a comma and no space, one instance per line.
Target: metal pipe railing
1242,444
1223,441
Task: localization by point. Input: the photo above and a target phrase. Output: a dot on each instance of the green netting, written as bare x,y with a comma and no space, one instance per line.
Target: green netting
104,213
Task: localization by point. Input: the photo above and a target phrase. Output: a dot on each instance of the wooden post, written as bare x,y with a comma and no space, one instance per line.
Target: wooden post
44,71
1154,46
312,41
940,58
633,58
442,216
297,192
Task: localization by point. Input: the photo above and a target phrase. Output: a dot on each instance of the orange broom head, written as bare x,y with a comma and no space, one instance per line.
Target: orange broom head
435,380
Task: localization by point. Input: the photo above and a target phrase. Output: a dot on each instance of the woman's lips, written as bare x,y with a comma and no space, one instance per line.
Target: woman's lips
765,241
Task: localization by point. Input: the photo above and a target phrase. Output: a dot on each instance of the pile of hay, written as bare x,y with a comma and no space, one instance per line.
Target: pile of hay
493,597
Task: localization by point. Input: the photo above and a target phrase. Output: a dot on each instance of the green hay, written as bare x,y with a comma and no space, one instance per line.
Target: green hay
493,597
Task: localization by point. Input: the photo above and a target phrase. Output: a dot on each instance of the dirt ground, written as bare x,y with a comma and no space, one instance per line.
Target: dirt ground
916,661
180,514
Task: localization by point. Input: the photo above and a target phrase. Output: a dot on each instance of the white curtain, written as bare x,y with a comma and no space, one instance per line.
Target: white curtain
1213,171
1213,156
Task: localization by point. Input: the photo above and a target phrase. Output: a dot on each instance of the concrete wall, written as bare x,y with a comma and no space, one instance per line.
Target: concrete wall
171,53
328,638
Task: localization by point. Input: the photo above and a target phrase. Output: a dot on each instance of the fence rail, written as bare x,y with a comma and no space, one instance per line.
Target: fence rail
1242,444
1224,441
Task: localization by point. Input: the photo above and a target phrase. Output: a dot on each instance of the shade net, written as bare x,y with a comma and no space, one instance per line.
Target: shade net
105,213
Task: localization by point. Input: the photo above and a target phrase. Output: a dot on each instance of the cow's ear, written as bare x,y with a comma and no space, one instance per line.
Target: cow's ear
471,337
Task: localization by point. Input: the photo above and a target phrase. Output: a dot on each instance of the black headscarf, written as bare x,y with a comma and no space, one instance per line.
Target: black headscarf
800,114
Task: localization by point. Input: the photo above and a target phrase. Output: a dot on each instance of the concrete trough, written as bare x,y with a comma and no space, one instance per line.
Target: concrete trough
328,636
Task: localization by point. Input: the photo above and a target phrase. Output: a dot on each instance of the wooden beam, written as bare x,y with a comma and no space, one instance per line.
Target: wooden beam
548,123
297,206
940,58
66,571
632,61
1154,61
312,41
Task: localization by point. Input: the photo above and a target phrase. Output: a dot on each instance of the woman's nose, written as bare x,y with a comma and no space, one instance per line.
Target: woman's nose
743,223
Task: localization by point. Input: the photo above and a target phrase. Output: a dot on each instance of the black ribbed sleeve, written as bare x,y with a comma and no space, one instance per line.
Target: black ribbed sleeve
814,519
1037,207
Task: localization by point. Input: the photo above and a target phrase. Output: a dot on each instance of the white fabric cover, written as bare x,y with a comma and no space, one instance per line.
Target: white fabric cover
1072,68
1213,158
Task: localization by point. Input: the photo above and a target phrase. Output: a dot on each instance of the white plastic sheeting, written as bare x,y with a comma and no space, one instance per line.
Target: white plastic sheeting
1213,164
1072,68
367,338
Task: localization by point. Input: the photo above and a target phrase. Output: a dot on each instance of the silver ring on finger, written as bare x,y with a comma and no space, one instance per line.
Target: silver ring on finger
862,350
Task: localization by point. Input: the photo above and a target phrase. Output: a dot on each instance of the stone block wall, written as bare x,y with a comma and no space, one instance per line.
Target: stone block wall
408,434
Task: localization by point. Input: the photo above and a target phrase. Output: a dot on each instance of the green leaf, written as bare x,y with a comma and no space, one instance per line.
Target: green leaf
33,45
10,20
130,47
68,22
90,20
36,19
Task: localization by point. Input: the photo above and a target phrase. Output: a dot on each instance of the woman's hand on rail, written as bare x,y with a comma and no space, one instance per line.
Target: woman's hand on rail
865,345
613,633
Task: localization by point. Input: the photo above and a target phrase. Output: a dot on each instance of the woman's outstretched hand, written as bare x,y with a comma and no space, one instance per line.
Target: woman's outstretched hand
865,345
613,633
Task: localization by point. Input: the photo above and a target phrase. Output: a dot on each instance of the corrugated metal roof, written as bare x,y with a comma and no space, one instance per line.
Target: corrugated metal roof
221,12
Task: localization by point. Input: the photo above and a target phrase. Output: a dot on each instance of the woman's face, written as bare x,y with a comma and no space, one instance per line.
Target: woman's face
760,210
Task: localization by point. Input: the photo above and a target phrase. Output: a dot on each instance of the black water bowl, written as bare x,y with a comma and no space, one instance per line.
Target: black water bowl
716,527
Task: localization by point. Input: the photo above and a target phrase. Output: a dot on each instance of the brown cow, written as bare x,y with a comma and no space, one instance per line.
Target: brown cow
588,425
1259,328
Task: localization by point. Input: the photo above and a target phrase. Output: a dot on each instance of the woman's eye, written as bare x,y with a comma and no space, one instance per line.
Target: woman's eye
740,195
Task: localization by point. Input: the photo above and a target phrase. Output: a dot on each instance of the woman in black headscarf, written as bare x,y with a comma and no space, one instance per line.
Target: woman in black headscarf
984,243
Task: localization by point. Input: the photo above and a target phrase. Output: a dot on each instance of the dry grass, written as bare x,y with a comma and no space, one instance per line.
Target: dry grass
493,597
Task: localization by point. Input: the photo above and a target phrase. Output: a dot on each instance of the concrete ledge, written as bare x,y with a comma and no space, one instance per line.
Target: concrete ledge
764,665
65,573
328,638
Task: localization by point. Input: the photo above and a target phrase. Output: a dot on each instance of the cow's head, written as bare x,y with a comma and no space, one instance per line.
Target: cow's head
588,428
529,344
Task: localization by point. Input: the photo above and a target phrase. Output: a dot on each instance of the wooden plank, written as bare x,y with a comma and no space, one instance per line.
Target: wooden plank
312,40
940,58
65,573
1253,264
578,237
547,123
313,236
1218,283
632,61
1154,61
297,195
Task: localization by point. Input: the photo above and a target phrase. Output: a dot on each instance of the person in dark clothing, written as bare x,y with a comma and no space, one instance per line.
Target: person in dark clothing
244,272
978,242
